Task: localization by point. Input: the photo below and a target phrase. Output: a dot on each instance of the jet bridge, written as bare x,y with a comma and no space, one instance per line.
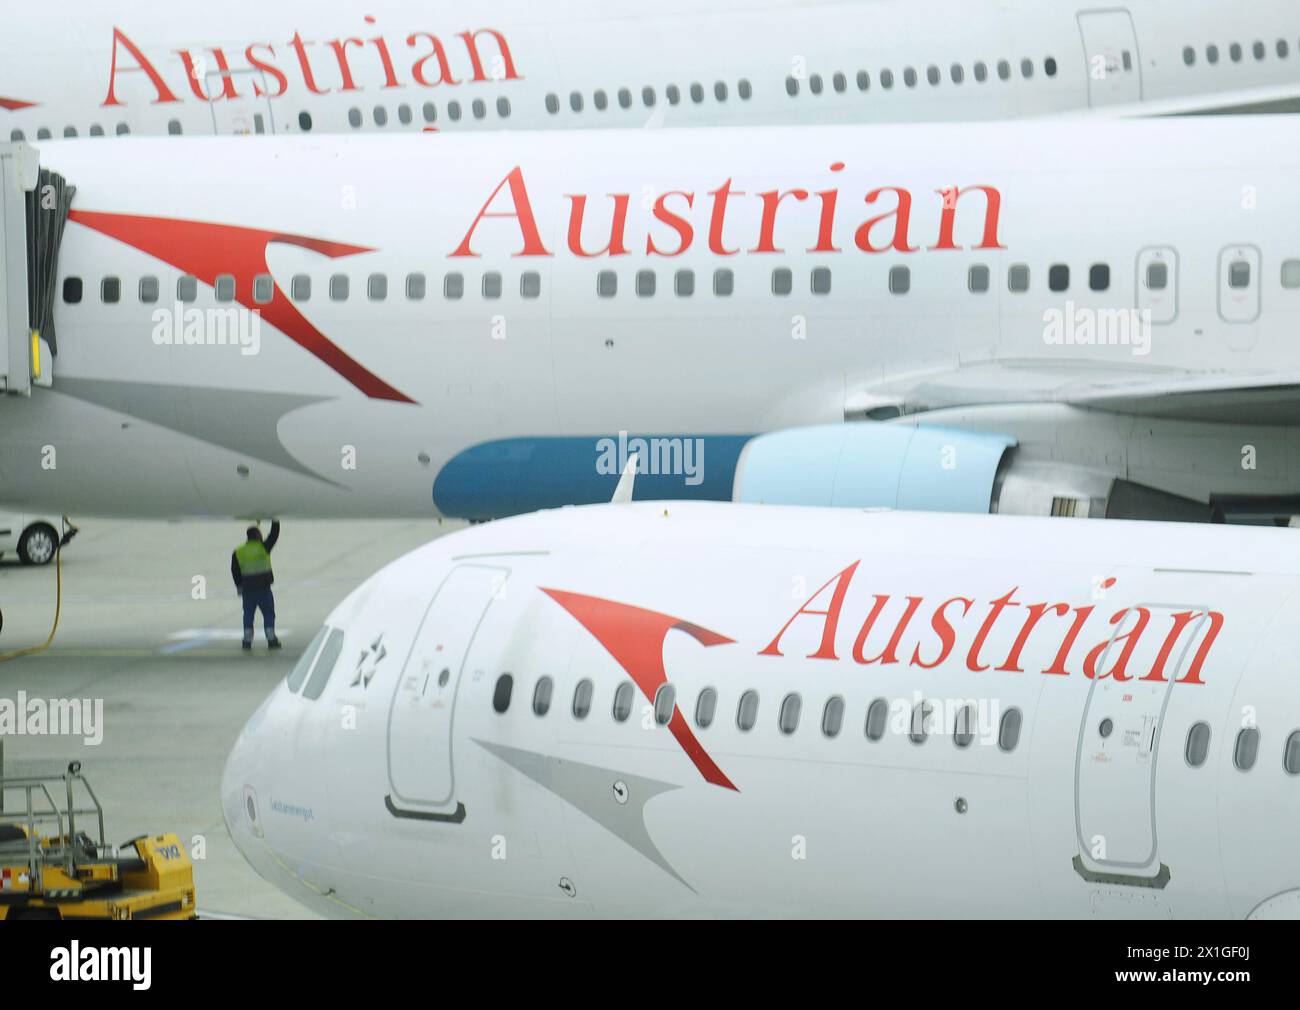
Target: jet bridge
34,206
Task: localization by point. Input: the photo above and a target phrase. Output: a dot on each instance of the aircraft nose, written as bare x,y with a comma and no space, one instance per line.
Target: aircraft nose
243,777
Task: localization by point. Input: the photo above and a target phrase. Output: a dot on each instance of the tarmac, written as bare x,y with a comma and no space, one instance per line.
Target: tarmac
150,624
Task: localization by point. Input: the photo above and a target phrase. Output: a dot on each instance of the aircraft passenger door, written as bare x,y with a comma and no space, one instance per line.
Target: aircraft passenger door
249,112
1119,744
1239,284
1111,57
420,719
1157,283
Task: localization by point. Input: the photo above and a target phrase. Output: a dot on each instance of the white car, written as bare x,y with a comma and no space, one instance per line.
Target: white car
33,537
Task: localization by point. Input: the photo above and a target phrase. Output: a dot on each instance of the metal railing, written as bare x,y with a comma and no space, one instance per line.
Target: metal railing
52,835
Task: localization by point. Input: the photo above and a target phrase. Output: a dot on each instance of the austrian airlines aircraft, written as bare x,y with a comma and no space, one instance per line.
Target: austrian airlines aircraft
1084,318
685,709
81,68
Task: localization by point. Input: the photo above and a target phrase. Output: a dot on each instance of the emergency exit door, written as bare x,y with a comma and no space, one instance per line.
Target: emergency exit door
420,719
247,113
1111,57
1120,741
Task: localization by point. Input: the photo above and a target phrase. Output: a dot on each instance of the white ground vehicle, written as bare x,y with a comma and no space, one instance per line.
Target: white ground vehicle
33,537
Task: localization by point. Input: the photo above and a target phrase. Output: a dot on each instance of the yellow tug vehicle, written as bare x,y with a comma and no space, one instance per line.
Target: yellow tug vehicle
50,868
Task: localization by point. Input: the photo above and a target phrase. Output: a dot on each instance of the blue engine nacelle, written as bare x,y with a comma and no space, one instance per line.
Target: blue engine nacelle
873,465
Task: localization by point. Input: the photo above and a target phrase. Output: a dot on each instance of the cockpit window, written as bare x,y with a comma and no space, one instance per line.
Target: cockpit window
324,665
301,667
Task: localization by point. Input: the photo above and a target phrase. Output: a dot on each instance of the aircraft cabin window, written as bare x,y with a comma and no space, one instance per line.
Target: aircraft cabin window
149,290
815,84
501,693
187,289
1258,49
304,122
1058,277
16,136
1049,66
110,290
430,112
623,701
1157,276
673,93
909,76
648,96
782,281
821,281
1212,53
491,284
1004,70
339,286
1291,274
1018,278
1234,52
530,284
416,287
981,71
607,284
645,283
324,665
788,717
877,719
665,704
599,100
377,287
920,723
900,280
1026,68
552,104
1098,277
886,78
1283,48
744,89
706,706
684,283
300,288
1009,729
1291,754
174,127
963,730
263,288
624,98
72,289
724,282
932,74
747,711
977,279
354,117
96,131
453,110
957,72
69,131
582,698
1197,748
43,134
864,80
1239,274
225,287
503,107
720,90
697,93
122,129
1189,55
404,114
453,286
833,717
300,668
479,108
542,695
839,82
1247,749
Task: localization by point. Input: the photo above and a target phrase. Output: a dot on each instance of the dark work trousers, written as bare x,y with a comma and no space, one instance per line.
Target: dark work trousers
263,600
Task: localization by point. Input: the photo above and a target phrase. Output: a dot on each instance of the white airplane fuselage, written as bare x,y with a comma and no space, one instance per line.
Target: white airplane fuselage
387,326
80,69
688,709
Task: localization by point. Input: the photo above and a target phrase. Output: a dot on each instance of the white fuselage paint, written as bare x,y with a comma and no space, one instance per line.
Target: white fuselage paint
553,815
1198,193
291,67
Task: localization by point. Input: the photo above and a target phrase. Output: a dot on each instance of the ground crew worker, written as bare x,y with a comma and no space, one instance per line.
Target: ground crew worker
250,567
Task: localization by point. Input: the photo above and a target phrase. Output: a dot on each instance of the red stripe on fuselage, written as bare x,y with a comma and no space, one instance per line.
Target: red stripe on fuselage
13,104
635,638
208,250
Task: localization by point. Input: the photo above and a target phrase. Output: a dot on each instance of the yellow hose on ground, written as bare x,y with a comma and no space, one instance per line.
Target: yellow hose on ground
58,608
